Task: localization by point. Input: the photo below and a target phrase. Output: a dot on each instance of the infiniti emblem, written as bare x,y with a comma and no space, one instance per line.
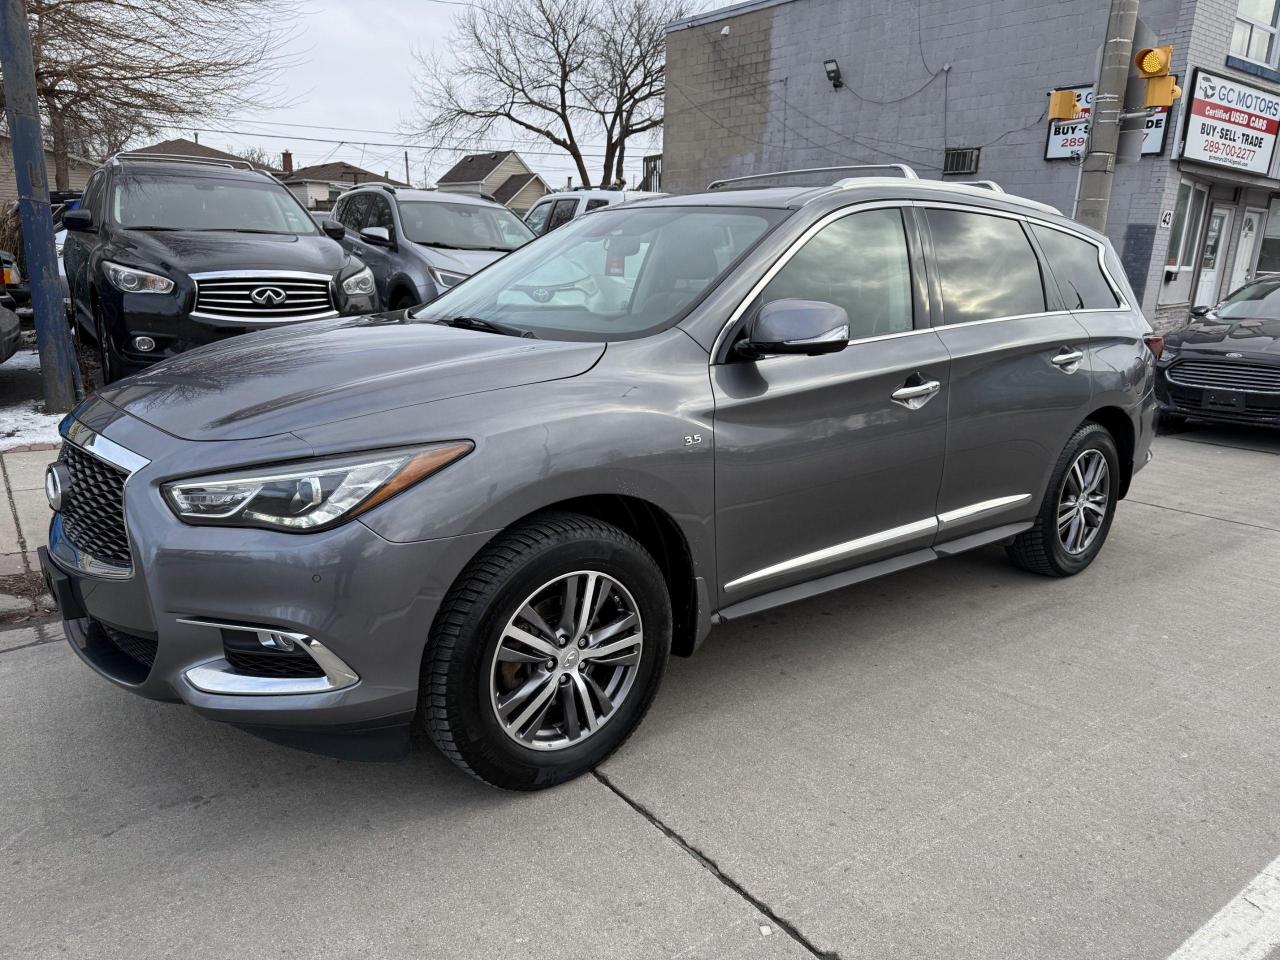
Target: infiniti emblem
570,659
57,484
268,296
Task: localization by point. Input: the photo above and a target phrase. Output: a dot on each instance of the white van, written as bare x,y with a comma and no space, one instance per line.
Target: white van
557,209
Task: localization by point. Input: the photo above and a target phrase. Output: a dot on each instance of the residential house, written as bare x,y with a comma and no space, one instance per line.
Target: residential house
182,147
317,186
503,176
80,170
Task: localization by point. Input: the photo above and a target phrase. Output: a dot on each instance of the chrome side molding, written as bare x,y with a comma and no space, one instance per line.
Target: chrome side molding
851,548
218,676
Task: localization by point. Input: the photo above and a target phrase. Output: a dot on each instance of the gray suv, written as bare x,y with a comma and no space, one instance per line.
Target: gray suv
497,515
419,243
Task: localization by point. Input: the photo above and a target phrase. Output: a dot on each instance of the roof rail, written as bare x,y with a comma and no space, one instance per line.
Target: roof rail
987,184
905,171
180,158
382,184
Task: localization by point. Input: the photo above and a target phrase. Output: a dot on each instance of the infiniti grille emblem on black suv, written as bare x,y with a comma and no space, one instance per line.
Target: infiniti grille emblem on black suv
268,296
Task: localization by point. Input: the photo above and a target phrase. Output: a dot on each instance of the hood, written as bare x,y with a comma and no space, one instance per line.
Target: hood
1214,334
200,251
465,262
297,377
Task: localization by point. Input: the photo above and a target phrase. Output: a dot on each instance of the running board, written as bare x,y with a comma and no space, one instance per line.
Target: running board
847,578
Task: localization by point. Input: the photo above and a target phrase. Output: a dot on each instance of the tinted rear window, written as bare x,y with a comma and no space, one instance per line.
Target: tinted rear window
986,267
1075,266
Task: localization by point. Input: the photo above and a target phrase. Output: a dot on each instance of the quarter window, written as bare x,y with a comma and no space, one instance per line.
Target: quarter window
986,267
596,204
859,262
1074,263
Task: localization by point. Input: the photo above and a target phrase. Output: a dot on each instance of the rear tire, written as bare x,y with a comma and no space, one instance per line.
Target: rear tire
1078,507
511,689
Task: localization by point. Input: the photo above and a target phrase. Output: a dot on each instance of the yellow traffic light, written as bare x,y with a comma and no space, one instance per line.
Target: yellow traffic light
1063,105
1162,91
1154,61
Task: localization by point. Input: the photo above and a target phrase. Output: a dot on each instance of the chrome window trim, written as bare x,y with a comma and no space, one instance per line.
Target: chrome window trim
218,676
939,523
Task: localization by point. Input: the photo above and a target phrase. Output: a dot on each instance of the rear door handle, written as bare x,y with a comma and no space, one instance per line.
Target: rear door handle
1068,361
916,395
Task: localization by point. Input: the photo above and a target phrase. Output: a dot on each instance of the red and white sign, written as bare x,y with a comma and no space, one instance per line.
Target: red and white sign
1231,124
1068,138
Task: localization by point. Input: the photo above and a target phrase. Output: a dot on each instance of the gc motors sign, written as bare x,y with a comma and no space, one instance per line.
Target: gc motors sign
1230,124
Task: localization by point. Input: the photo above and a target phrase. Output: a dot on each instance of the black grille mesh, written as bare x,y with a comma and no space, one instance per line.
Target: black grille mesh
252,664
136,648
93,509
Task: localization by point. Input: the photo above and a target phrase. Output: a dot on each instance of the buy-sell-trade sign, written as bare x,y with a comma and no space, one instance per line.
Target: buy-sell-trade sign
1068,138
1230,124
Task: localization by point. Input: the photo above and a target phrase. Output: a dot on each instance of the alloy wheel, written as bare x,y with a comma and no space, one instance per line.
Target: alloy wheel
1082,506
566,660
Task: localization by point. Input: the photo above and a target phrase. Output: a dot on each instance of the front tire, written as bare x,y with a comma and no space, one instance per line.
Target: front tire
1078,507
108,360
546,653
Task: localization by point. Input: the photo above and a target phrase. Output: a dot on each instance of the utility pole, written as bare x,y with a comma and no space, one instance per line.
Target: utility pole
1098,168
406,169
58,369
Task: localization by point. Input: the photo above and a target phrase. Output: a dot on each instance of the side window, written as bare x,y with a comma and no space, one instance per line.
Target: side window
859,262
1074,264
355,211
561,213
537,218
596,203
336,212
380,214
92,200
986,267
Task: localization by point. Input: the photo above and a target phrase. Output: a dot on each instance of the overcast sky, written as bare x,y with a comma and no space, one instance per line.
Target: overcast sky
354,75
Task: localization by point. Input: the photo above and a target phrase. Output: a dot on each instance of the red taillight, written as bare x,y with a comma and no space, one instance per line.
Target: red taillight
1155,343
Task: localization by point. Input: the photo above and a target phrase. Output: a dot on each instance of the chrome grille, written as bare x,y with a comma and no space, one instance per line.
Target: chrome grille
93,509
257,298
1226,375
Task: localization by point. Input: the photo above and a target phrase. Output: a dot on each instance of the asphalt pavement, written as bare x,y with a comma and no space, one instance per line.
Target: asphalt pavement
959,761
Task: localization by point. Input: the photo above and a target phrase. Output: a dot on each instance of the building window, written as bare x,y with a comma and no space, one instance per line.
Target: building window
1184,232
1254,35
1269,249
960,159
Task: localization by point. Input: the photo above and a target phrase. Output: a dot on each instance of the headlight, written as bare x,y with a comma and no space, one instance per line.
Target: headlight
302,497
359,283
447,278
135,281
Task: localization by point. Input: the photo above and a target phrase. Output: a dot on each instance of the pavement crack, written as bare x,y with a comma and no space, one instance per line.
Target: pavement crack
714,869
1206,516
13,509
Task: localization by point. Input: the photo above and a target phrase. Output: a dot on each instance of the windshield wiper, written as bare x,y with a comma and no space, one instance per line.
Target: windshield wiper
488,326
149,226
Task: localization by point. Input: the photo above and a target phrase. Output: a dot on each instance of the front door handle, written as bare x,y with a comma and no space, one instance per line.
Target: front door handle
916,395
1068,361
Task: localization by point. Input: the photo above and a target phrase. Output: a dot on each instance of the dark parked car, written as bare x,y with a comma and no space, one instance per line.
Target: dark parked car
498,514
419,243
1224,365
169,253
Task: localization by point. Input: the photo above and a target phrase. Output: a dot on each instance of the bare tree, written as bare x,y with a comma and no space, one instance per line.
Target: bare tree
110,70
568,72
258,156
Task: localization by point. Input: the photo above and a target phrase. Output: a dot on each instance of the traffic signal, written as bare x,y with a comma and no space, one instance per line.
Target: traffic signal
1153,65
1063,105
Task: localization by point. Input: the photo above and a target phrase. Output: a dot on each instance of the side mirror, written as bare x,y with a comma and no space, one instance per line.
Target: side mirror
810,327
333,229
1200,311
378,236
80,221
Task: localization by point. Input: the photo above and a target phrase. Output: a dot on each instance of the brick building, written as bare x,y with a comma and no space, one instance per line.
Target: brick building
964,82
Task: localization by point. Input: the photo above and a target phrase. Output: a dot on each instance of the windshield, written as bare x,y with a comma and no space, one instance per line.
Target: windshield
465,226
615,275
157,202
1258,300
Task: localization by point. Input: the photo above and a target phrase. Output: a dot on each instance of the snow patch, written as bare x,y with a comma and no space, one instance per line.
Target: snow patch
24,421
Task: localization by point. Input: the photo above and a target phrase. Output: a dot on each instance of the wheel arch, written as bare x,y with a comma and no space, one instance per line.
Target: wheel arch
1118,423
659,533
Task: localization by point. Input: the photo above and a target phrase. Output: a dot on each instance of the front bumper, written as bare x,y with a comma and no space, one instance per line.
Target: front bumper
366,603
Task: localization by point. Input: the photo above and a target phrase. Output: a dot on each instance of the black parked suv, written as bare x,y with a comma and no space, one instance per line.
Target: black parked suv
169,253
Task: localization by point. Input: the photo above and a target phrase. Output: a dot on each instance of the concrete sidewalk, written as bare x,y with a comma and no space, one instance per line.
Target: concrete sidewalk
24,526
